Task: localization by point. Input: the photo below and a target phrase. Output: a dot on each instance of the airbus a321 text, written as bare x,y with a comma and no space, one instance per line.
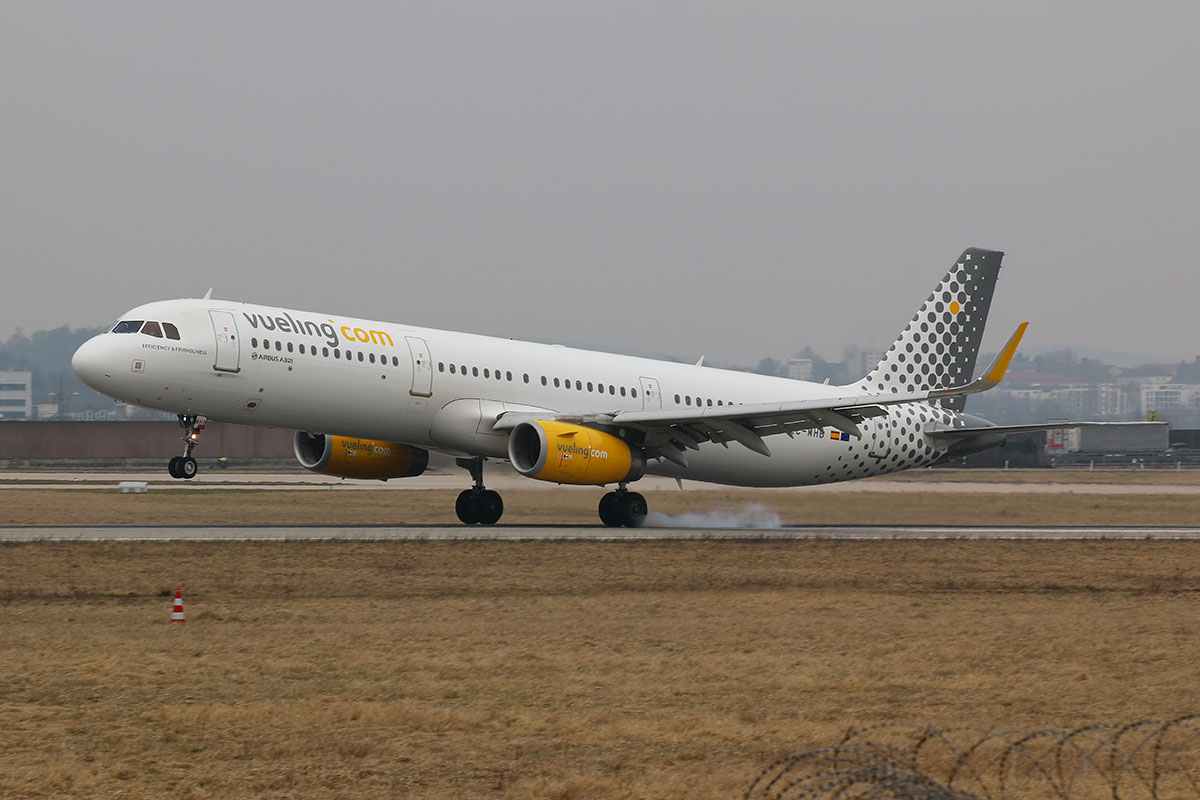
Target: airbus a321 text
372,399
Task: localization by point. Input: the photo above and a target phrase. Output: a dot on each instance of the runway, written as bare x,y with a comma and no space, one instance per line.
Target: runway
1165,482
579,533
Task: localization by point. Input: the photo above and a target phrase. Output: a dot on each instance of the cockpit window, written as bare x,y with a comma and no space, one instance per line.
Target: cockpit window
152,329
172,331
128,326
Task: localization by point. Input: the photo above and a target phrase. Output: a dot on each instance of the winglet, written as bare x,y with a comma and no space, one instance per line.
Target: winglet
208,294
996,371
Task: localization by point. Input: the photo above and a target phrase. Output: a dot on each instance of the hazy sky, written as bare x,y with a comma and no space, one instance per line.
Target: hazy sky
733,179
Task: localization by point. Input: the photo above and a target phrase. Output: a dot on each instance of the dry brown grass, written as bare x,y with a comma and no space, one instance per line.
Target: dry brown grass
560,670
538,506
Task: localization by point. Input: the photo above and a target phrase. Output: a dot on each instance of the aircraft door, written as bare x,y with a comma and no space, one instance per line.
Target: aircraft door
651,396
422,367
228,350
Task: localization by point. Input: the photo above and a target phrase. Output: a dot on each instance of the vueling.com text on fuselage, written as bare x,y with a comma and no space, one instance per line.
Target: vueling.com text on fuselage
286,324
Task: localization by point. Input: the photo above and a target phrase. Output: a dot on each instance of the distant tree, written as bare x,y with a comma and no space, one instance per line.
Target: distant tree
1061,362
771,366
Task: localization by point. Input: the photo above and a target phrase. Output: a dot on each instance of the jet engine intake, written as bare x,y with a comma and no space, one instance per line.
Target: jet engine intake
561,452
347,457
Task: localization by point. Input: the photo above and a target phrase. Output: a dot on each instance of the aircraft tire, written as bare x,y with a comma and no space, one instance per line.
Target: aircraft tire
464,507
173,467
488,507
187,468
610,515
633,510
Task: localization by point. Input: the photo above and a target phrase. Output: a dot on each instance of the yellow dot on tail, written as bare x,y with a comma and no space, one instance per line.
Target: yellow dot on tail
954,307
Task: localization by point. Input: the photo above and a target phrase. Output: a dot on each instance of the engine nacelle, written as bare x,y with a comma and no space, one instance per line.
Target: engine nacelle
564,453
347,457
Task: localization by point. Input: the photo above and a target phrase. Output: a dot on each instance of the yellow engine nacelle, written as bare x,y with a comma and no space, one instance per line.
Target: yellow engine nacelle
566,453
347,457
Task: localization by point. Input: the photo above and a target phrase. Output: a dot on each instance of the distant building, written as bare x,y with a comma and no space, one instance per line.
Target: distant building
800,369
861,360
16,395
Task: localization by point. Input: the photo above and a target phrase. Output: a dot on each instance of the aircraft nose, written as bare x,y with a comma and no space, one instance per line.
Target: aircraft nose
93,362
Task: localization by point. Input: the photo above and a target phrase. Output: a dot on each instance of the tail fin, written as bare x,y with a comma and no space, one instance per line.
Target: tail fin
937,349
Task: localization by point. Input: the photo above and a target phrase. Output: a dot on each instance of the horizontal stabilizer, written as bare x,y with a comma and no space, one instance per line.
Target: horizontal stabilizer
939,432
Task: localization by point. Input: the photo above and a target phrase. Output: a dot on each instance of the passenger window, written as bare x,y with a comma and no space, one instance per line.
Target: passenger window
579,385
254,342
360,357
172,331
527,377
709,402
301,349
372,359
289,347
453,370
556,383
622,391
719,403
508,376
486,373
687,399
278,345
677,399
337,353
633,392
589,386
325,351
543,380
128,326
395,361
152,329
441,366
499,377
474,372
612,389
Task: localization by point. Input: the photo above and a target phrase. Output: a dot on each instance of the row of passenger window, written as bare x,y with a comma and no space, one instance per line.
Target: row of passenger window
349,355
687,400
149,328
461,369
563,383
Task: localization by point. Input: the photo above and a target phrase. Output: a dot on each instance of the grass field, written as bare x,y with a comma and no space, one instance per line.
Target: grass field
556,670
538,506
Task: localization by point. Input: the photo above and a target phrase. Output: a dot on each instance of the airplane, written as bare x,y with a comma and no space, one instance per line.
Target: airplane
373,399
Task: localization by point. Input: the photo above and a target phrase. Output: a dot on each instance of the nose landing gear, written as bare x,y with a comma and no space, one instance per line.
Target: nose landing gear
477,505
185,466
623,508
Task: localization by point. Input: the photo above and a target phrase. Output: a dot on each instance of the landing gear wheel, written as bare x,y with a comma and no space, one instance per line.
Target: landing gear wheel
479,507
488,507
632,509
465,507
609,513
185,466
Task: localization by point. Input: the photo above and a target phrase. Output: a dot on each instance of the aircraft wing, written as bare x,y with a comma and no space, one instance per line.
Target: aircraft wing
670,432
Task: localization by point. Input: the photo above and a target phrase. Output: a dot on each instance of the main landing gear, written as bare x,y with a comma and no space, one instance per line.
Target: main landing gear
185,466
477,505
623,508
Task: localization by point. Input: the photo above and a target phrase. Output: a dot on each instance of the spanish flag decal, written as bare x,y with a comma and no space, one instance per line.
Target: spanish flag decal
845,437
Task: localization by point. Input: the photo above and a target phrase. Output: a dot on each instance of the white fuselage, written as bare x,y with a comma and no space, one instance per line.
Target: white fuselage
441,390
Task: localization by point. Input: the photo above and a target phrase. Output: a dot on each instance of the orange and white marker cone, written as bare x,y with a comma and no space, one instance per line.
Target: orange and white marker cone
177,613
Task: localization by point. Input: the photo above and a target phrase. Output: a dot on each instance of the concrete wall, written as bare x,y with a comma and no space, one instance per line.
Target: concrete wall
123,440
